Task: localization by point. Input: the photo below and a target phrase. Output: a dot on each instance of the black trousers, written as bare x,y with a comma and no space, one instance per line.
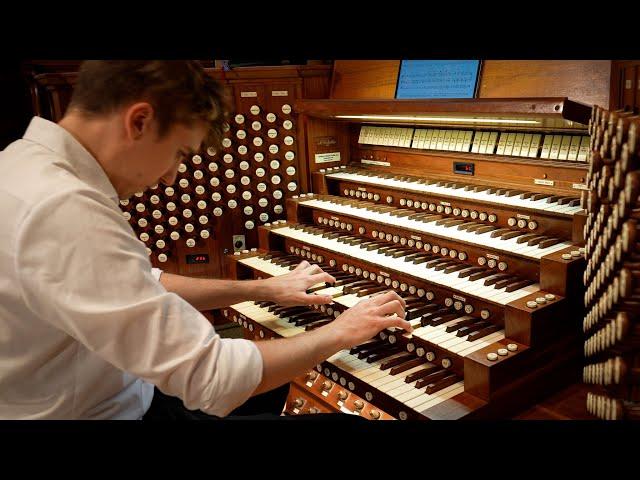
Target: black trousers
266,406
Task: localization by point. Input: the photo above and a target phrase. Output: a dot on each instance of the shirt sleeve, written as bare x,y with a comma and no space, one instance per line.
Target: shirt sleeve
81,268
156,272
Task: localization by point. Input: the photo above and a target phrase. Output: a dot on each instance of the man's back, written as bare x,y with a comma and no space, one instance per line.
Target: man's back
44,371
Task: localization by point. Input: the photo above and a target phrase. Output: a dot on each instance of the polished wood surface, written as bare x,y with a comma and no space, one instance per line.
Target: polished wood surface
586,81
364,78
565,404
625,85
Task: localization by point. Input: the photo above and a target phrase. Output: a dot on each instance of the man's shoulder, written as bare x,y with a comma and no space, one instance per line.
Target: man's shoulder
32,174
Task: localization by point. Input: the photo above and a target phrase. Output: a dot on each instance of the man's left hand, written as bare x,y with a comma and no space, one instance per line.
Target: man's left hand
291,289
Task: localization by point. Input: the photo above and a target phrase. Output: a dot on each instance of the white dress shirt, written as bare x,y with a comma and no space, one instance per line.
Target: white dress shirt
86,328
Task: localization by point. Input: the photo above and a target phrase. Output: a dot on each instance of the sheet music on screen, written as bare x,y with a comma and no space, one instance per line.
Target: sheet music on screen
437,79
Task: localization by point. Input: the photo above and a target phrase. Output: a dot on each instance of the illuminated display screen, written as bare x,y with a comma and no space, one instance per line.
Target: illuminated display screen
438,79
197,258
463,168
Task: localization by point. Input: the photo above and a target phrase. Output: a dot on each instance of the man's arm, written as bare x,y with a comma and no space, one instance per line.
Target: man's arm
290,289
286,358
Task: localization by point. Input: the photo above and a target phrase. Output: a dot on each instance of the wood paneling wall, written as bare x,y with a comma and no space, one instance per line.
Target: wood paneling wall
364,78
587,81
625,84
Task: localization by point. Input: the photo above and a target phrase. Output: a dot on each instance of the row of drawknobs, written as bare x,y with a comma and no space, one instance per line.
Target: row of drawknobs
612,275
253,174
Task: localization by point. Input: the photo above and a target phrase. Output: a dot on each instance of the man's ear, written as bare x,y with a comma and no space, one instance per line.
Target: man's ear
138,120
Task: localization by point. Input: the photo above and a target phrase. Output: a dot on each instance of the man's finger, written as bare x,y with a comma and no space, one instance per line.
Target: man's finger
302,265
388,297
313,269
318,299
390,308
321,277
388,322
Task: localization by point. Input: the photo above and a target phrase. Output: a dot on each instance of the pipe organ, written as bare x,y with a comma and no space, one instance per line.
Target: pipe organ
474,212
508,225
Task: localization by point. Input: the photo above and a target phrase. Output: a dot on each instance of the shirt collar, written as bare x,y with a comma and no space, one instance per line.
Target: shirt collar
59,140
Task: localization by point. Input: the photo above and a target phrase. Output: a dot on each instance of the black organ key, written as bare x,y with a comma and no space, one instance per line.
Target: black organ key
483,333
382,355
484,229
467,329
536,240
457,267
367,344
513,193
444,319
518,285
396,361
443,383
548,242
429,369
403,367
433,377
511,234
526,238
460,324
467,272
499,232
495,278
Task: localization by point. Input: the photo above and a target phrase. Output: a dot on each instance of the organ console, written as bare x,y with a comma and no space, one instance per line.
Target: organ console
471,210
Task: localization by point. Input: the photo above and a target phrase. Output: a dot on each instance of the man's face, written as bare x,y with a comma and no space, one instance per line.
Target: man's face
152,160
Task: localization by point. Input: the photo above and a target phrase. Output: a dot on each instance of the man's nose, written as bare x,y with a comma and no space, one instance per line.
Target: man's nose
169,179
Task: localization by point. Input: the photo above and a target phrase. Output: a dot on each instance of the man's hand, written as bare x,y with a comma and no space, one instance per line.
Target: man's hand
291,289
368,317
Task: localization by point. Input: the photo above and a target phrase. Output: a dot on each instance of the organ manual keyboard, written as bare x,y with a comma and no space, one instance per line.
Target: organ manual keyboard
473,211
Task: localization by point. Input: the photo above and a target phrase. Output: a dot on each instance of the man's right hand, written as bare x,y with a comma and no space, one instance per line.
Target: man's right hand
368,317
